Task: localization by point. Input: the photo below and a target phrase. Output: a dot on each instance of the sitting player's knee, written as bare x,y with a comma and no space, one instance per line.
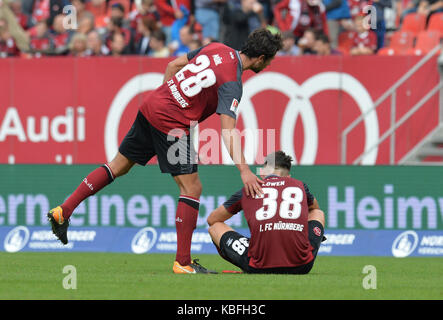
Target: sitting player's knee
210,220
216,231
211,230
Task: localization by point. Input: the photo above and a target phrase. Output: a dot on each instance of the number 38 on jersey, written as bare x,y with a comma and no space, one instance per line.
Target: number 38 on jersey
203,77
290,203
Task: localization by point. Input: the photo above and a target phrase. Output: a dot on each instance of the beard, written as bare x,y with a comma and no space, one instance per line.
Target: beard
257,69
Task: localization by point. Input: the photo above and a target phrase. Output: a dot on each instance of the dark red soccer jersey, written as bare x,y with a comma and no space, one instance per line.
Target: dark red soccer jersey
210,83
278,222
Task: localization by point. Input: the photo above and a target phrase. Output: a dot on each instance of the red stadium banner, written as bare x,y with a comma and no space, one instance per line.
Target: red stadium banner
77,110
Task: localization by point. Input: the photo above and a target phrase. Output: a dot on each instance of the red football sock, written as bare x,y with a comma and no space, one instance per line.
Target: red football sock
93,183
185,223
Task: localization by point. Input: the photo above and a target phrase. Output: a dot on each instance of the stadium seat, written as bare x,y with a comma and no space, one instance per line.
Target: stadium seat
414,23
426,41
387,51
345,41
436,23
401,42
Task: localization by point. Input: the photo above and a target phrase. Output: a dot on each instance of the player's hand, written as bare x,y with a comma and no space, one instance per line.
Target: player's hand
252,184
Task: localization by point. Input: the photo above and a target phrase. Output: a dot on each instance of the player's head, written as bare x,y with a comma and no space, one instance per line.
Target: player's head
261,47
278,163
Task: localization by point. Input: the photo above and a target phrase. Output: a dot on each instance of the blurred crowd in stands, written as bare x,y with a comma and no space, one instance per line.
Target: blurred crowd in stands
164,28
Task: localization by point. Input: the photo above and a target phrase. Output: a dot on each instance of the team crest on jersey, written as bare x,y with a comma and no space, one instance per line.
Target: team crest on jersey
317,231
234,105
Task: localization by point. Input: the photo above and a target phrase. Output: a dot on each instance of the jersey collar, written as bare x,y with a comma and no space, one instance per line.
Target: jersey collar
239,60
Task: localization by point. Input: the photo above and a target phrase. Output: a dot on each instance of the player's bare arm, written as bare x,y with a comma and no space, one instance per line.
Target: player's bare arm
219,215
231,139
315,213
175,66
217,227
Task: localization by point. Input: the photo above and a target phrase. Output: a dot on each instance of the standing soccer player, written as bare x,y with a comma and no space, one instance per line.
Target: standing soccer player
286,224
195,86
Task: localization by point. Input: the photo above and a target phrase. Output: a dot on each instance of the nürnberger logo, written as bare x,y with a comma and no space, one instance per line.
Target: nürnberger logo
404,244
16,239
144,240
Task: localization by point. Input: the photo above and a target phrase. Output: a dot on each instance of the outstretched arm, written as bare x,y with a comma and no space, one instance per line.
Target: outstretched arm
232,141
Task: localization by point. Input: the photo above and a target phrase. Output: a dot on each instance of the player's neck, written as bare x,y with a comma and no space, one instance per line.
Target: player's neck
245,61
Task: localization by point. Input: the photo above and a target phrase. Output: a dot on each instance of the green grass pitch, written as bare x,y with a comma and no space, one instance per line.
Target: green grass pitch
149,276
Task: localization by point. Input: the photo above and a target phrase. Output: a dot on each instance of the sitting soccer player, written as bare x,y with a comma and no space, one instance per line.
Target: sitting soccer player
286,224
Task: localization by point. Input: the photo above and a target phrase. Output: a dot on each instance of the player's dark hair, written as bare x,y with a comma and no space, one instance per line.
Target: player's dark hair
279,160
262,42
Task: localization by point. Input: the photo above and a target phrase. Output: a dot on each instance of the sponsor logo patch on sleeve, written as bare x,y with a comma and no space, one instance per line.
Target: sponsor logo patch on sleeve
234,105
